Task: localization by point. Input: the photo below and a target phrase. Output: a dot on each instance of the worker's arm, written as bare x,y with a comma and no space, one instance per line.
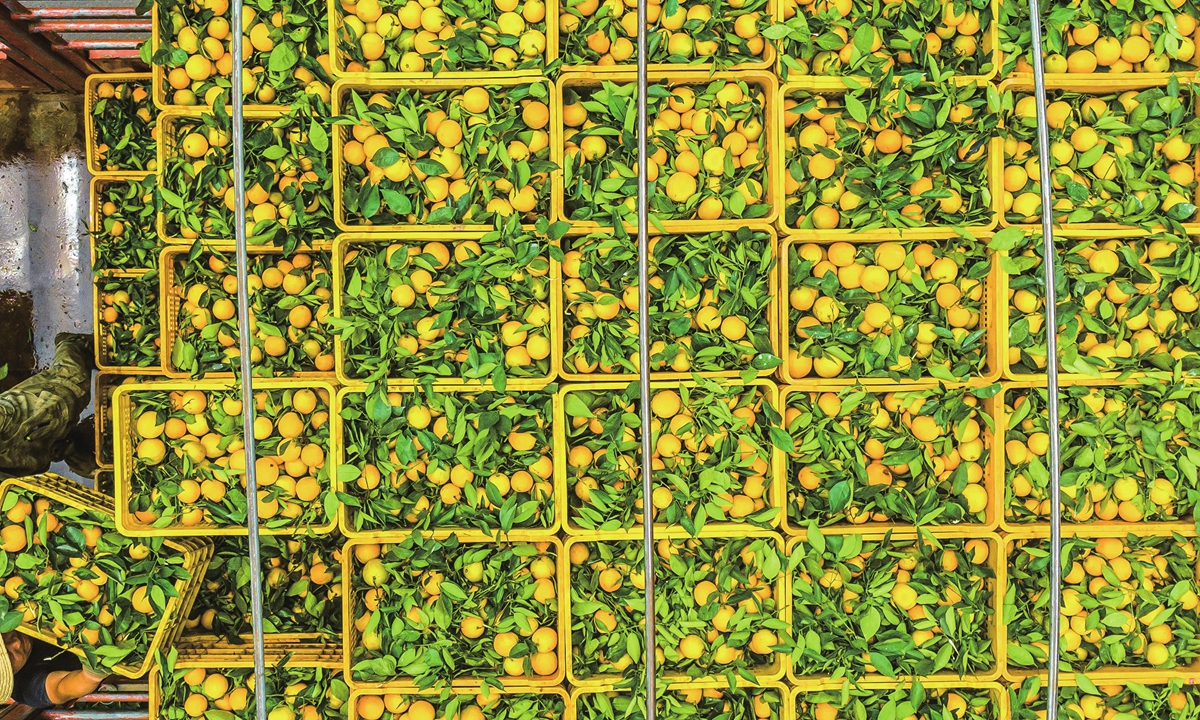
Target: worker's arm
64,686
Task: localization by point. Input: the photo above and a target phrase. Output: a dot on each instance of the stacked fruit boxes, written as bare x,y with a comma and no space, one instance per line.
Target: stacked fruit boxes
847,345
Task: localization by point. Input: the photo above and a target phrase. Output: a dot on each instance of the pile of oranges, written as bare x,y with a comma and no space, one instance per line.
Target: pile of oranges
482,610
128,320
1118,158
441,460
408,36
124,236
1144,588
452,157
471,310
928,606
853,37
124,123
912,456
710,302
1104,422
604,34
188,464
302,590
713,458
489,702
285,49
716,601
290,313
1128,305
895,156
288,177
298,691
898,310
708,151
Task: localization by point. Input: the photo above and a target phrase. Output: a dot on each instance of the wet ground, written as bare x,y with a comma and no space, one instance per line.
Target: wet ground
45,260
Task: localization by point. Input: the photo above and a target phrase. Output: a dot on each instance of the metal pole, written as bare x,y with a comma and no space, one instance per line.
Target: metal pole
1048,258
244,342
643,130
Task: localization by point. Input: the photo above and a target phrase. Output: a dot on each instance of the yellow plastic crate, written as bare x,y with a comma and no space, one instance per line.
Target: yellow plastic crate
100,335
775,282
351,635
772,116
1095,84
997,692
342,247
106,383
124,452
765,674
340,133
995,182
774,491
302,658
90,97
785,695
437,696
345,520
996,625
1109,674
1000,471
994,297
196,554
337,59
170,302
820,82
993,476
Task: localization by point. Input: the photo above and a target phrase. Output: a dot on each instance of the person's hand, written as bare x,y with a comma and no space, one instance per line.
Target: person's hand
95,675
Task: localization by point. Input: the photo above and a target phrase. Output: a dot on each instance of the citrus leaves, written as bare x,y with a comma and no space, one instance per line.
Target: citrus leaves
433,611
1127,456
1124,158
72,577
710,297
855,37
894,156
447,157
286,46
290,313
726,586
707,157
465,704
713,442
442,460
124,236
124,120
189,459
129,322
854,615
288,178
898,310
442,36
725,35
863,457
1127,602
1123,305
472,310
294,689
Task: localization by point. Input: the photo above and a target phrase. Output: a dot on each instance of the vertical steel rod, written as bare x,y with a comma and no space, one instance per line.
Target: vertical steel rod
244,340
1048,258
643,130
